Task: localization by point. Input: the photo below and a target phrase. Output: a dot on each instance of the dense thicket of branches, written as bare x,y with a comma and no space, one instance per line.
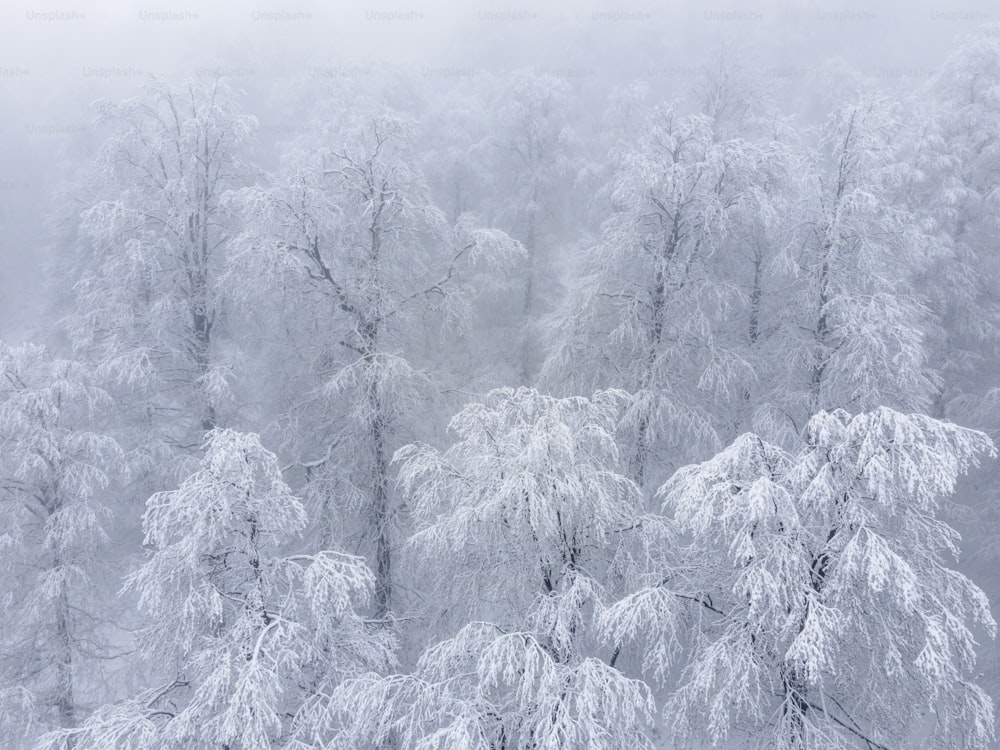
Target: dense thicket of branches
494,419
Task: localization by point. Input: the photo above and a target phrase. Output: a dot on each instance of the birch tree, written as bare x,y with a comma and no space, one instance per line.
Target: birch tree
148,308
352,227
534,162
245,636
644,314
853,327
956,163
520,519
55,469
815,593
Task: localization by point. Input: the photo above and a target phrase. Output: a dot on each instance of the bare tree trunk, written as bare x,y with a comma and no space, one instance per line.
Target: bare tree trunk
200,283
641,455
65,702
528,343
756,296
202,359
820,357
380,500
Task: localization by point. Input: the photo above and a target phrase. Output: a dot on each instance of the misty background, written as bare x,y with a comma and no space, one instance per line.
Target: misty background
449,68
56,59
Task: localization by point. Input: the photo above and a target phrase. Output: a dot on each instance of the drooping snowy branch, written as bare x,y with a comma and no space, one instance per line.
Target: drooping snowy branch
250,635
814,591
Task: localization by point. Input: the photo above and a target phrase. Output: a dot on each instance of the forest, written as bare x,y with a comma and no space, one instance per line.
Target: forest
469,414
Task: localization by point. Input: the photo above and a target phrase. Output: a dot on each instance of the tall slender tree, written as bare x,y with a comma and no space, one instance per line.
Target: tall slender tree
55,468
644,315
956,159
853,324
529,506
533,144
247,638
352,226
148,308
816,586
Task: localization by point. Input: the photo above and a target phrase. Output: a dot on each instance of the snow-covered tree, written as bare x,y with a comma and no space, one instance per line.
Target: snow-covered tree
455,147
247,637
521,520
470,173
624,119
644,313
378,274
533,163
489,688
148,308
706,269
814,596
852,326
55,469
733,94
956,181
528,495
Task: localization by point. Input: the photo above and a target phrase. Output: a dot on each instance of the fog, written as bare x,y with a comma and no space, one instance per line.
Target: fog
504,376
58,58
